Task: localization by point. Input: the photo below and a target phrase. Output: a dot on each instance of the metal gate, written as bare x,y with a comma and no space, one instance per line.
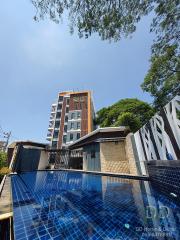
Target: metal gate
66,159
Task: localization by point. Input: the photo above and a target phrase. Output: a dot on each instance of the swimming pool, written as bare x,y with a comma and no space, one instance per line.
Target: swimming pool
72,205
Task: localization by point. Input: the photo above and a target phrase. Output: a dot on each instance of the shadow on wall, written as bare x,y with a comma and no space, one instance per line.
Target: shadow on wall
27,156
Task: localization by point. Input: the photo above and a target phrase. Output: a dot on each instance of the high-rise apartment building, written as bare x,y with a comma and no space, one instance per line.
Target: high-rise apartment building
72,117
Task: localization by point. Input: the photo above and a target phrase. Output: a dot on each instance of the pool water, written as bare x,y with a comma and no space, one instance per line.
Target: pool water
71,205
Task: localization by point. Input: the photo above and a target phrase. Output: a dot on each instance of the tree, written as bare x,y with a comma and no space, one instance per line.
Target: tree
110,19
129,120
163,78
114,19
129,112
3,165
3,159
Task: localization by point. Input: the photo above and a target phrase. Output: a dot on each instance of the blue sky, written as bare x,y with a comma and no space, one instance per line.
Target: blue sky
39,59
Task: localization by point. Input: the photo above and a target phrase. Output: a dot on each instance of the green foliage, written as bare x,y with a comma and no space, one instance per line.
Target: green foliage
166,25
3,159
129,120
127,112
163,78
3,165
112,20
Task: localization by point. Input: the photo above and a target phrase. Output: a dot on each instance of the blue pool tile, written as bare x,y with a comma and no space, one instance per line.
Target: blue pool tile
69,206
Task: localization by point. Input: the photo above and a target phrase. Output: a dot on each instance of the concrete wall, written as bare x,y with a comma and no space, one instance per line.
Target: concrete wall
117,157
113,157
43,161
130,155
27,160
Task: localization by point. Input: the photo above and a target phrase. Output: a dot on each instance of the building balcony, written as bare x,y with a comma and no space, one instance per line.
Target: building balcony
49,138
55,139
53,112
51,120
54,105
49,134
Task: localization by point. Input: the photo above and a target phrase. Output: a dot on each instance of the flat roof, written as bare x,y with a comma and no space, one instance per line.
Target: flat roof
28,142
71,92
107,133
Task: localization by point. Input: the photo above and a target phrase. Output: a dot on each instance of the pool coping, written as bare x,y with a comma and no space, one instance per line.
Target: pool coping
121,175
5,198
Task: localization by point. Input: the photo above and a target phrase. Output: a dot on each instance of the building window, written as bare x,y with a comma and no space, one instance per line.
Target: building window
78,135
78,115
72,115
60,99
71,137
64,138
58,115
59,107
67,101
57,124
72,125
55,135
53,109
67,109
54,144
93,154
66,118
65,128
78,125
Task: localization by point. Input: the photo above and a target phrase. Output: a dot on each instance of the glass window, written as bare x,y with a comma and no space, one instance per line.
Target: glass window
67,109
54,144
64,138
57,124
78,135
72,115
71,137
78,125
58,115
67,101
66,118
78,115
60,98
65,128
72,125
55,135
59,107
